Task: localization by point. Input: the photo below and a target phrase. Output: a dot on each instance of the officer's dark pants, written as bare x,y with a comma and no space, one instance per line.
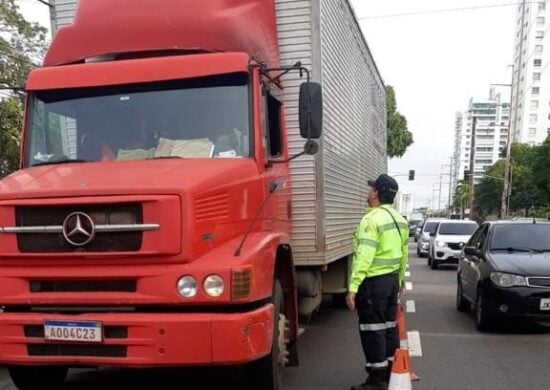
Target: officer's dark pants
376,303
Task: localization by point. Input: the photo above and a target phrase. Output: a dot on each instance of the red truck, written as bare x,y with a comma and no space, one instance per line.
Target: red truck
160,216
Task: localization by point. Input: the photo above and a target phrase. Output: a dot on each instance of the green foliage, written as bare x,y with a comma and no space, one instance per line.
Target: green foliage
11,122
399,137
22,45
541,166
462,196
530,182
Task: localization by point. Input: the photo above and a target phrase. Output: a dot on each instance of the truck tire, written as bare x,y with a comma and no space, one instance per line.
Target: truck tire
267,373
34,378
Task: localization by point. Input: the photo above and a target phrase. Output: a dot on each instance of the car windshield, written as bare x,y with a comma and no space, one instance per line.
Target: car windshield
535,237
457,229
431,227
201,118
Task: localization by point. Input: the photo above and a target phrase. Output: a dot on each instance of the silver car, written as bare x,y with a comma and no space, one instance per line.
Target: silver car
428,228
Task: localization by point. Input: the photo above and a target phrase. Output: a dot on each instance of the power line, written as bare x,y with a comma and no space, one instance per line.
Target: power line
45,3
448,10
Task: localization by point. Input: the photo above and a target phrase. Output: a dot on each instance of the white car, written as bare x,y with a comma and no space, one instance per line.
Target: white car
449,240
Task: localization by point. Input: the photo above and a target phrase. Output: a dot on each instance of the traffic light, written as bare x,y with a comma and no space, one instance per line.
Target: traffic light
411,175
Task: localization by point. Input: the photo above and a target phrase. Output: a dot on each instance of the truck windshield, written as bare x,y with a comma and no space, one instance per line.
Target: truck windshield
200,118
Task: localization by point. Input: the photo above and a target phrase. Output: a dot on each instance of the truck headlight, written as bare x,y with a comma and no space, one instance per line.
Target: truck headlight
187,287
507,280
441,243
214,286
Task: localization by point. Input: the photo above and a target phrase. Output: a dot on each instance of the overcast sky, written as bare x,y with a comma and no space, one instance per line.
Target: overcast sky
435,62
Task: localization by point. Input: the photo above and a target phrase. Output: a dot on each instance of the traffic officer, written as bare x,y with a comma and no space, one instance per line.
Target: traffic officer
379,262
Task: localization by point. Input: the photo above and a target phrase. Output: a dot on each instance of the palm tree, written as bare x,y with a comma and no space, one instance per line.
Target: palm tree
462,196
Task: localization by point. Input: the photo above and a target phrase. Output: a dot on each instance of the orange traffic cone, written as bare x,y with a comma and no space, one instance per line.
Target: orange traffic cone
403,338
400,378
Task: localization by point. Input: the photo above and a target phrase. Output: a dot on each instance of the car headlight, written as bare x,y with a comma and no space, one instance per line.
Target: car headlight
187,287
440,243
507,280
214,286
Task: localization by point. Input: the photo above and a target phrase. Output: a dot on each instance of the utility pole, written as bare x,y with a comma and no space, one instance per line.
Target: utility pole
472,164
449,206
508,159
440,185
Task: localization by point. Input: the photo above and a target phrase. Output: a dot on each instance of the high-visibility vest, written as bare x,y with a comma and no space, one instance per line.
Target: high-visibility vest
379,248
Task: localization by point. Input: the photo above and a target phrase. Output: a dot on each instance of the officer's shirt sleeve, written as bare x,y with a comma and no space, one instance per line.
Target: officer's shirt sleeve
366,244
404,258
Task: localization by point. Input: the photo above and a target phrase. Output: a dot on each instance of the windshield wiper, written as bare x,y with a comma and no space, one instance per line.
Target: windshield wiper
518,249
165,158
60,160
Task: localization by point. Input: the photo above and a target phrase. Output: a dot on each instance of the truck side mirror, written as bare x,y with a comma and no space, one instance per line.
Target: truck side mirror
311,110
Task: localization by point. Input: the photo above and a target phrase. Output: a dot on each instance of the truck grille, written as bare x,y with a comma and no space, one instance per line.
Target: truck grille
115,351
54,242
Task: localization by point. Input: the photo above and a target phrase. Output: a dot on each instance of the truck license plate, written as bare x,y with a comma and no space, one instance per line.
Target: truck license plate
545,304
81,331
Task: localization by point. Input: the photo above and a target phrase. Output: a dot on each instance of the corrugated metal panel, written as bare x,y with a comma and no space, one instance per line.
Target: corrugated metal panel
64,11
354,144
295,28
329,190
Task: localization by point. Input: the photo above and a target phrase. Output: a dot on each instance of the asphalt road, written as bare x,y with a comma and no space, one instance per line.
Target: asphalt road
454,355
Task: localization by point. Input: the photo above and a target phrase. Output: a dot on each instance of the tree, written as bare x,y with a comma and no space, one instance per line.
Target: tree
530,182
462,197
541,165
22,45
399,137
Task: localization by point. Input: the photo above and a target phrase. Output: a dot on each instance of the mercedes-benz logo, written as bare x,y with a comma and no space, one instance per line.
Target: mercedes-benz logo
78,229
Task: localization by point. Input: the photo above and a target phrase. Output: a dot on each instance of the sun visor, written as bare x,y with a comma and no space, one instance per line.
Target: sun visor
113,27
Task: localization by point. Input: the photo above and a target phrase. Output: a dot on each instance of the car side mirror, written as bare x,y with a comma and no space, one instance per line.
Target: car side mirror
311,110
472,251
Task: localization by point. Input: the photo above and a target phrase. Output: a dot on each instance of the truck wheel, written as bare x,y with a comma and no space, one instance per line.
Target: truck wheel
267,373
33,378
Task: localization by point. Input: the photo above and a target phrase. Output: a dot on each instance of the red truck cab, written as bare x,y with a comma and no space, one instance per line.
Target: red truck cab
149,224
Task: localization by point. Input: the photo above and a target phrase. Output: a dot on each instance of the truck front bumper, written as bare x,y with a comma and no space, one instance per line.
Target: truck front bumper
142,339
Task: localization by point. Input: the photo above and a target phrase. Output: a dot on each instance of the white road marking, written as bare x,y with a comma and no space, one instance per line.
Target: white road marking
411,307
408,286
415,346
408,274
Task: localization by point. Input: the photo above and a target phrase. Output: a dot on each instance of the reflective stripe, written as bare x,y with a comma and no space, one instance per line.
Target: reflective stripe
391,324
391,359
372,327
383,364
367,242
387,227
379,261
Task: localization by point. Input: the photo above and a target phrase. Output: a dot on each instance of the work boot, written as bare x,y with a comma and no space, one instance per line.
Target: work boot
376,381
